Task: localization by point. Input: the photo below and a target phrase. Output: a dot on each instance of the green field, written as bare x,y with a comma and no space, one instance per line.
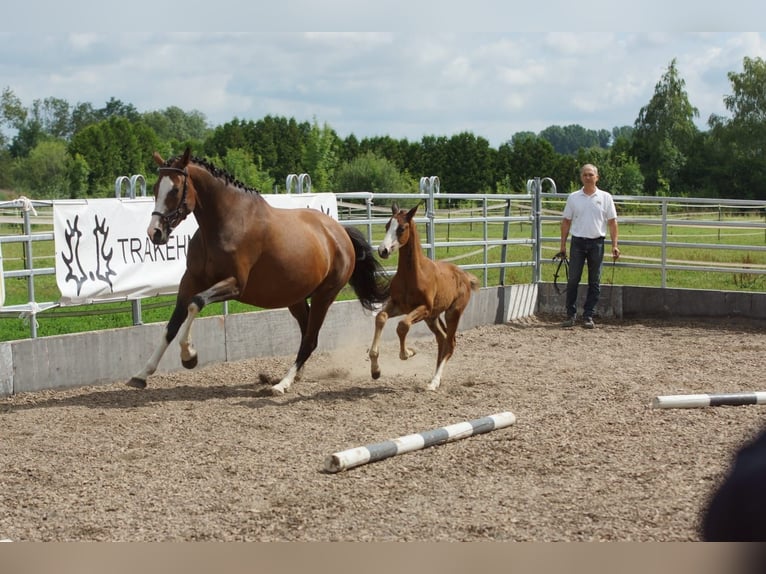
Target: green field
635,241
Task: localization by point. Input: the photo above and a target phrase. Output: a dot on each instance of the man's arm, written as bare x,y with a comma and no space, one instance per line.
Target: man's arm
613,234
565,225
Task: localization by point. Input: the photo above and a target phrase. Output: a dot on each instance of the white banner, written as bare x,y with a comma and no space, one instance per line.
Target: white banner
104,254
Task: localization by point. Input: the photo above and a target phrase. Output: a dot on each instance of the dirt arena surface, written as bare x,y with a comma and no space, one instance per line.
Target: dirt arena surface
209,454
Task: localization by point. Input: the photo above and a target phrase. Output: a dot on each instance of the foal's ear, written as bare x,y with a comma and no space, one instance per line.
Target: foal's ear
158,159
411,212
394,208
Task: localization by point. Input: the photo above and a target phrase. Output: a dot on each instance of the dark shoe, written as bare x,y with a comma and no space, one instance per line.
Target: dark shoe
570,322
588,323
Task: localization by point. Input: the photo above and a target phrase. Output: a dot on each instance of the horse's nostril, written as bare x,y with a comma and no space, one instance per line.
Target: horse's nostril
157,235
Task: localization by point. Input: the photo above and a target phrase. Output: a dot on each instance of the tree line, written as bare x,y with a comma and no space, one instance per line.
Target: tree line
61,150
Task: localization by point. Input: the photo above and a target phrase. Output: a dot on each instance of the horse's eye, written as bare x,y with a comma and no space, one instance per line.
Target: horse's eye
400,229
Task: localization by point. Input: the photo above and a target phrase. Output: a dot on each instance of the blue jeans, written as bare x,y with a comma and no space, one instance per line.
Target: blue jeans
582,250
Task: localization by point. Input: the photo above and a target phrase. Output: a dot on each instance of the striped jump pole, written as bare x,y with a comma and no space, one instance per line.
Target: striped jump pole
708,400
343,460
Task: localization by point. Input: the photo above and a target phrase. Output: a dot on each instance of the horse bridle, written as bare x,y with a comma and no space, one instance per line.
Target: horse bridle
176,216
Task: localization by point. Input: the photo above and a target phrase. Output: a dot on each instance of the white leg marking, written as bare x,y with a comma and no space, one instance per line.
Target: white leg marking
284,384
436,380
187,349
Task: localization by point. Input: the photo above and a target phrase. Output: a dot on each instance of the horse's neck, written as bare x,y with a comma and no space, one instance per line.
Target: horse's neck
411,253
216,201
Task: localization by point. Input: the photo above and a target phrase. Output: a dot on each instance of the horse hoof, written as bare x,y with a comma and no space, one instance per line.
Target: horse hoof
190,363
375,375
137,383
276,390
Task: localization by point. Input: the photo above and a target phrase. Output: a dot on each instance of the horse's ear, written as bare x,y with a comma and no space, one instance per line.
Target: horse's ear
185,158
411,212
394,208
158,159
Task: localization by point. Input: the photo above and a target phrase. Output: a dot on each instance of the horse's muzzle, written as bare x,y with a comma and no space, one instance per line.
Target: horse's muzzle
158,237
383,252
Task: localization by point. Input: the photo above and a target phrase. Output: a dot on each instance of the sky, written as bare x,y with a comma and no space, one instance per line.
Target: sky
427,81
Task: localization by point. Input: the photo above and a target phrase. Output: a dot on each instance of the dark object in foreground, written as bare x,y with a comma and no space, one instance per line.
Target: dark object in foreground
737,510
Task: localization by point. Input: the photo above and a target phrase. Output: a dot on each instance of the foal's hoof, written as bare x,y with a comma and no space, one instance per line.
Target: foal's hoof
190,363
375,375
137,383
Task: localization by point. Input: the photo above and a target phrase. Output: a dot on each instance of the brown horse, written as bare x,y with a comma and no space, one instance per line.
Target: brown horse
421,290
247,250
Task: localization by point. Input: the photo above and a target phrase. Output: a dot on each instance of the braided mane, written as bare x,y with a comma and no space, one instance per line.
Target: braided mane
215,171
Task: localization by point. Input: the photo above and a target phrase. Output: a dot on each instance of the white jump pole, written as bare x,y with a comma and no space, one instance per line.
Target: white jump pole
343,460
708,400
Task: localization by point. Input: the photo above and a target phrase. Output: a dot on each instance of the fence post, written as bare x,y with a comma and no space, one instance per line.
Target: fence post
535,187
430,185
298,181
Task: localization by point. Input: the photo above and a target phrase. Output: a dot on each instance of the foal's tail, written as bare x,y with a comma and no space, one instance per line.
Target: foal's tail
369,279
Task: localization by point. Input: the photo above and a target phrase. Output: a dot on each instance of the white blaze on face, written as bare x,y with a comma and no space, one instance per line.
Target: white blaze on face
390,243
163,188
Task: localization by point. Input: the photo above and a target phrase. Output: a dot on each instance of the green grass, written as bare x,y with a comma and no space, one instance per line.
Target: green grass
158,309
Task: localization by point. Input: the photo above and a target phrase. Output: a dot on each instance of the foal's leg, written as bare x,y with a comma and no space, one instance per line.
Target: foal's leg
388,310
446,344
417,314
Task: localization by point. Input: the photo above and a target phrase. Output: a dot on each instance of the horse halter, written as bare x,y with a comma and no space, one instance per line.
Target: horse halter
176,216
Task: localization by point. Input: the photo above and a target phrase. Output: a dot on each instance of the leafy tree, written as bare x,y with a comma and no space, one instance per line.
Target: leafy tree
77,172
664,132
115,108
739,142
114,147
395,151
280,142
430,159
239,163
349,149
12,112
29,134
369,172
176,126
320,155
233,134
83,115
54,117
469,165
619,173
569,139
527,156
624,133
42,174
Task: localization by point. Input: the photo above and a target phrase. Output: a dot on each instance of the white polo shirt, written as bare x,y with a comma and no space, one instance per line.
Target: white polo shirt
589,213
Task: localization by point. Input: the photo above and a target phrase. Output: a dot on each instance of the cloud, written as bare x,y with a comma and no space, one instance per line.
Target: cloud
405,84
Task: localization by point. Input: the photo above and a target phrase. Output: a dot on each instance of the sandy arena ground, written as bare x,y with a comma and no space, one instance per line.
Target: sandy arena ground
209,454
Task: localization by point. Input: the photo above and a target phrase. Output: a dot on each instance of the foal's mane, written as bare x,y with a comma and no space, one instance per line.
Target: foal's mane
216,172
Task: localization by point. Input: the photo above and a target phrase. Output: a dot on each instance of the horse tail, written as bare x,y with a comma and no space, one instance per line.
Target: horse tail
473,281
369,279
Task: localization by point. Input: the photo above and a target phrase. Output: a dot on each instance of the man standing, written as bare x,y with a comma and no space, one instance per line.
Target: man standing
587,214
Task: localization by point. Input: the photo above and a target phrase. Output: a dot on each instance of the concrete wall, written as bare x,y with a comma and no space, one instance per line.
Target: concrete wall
626,301
115,355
